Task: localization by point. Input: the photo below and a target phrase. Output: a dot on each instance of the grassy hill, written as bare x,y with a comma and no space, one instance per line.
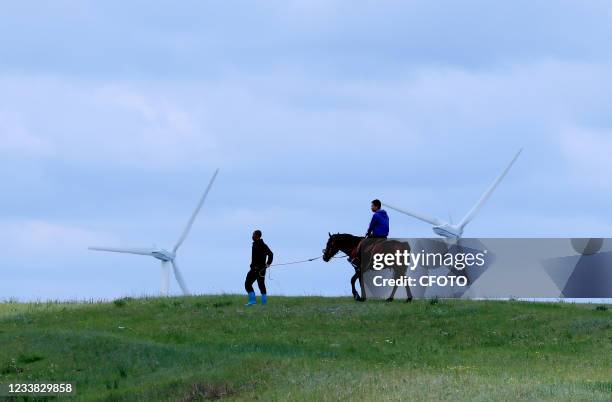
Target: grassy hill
310,348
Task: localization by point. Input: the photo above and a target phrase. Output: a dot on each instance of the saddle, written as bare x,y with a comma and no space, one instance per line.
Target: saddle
373,245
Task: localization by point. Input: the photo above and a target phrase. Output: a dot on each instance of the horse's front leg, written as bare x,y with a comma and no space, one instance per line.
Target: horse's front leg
353,280
362,286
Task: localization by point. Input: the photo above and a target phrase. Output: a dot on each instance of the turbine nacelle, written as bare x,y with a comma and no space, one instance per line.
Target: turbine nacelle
450,231
163,255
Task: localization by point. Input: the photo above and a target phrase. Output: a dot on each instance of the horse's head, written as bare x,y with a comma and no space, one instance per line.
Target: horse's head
332,247
339,242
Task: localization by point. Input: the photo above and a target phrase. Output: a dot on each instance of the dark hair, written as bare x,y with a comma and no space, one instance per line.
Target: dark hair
376,203
257,233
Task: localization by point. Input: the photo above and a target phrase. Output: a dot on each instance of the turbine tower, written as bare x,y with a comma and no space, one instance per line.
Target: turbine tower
166,257
455,231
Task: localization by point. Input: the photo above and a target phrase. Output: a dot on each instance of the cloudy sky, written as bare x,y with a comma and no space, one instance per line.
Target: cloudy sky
113,116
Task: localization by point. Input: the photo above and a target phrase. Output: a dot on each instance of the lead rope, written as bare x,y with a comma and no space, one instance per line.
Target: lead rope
297,262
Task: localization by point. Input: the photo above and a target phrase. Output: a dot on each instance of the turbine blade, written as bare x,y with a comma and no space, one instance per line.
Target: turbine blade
195,213
422,217
140,251
179,278
470,215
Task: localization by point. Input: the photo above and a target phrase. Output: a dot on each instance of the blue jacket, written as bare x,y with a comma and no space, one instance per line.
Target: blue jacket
379,225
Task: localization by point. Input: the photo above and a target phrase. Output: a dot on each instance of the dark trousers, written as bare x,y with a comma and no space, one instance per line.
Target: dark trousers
258,275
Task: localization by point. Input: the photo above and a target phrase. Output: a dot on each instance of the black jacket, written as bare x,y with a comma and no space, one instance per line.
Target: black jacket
260,255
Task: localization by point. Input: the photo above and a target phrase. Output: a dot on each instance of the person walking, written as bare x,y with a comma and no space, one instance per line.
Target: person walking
261,258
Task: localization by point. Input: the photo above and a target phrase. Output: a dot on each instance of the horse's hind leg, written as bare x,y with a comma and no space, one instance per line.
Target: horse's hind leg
408,291
390,298
397,274
408,294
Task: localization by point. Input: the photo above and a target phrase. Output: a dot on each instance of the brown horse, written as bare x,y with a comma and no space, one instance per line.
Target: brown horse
349,245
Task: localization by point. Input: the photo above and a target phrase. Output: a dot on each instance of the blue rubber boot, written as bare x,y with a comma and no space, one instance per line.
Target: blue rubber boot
264,300
252,299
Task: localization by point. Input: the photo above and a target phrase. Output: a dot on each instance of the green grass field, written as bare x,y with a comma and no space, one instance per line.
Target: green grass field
311,348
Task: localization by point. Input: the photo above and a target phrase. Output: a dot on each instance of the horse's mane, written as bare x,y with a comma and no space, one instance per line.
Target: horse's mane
347,237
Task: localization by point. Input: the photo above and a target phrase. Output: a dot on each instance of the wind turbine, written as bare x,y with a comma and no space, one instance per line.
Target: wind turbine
455,231
167,257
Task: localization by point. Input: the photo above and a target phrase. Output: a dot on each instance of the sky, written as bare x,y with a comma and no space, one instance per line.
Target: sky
113,116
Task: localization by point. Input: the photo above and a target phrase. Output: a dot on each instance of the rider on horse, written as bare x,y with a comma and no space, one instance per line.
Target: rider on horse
379,225
353,246
378,229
